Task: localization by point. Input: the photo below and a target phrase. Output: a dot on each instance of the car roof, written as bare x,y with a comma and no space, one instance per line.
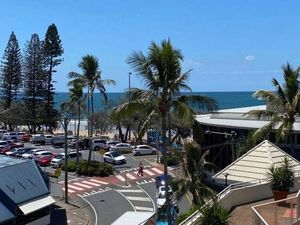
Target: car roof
41,152
142,146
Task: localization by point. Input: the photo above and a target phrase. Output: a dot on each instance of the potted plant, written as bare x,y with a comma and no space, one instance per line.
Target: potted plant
282,179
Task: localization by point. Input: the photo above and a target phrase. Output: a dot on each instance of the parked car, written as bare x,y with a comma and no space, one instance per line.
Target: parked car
121,146
26,137
83,143
38,154
161,197
29,154
20,135
114,158
48,139
144,150
58,160
45,160
109,144
10,136
38,139
99,144
58,140
20,151
2,133
3,144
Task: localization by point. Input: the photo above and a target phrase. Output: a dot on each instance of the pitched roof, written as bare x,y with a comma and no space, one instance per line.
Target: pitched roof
255,164
21,182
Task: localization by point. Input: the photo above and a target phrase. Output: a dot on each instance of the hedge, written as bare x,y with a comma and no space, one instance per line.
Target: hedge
92,168
182,216
172,160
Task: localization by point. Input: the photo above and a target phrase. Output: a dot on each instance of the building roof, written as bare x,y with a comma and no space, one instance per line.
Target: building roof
21,180
236,118
5,214
255,163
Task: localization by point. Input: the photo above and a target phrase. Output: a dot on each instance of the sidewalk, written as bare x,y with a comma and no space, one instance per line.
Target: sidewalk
74,213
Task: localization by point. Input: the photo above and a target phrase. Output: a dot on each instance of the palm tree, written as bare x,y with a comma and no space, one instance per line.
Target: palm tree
193,166
282,106
161,72
91,78
77,98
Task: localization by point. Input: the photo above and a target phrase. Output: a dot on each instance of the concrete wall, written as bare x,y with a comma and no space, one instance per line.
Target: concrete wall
250,194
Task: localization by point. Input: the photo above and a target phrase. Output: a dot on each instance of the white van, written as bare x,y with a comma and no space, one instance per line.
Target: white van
58,160
10,136
38,139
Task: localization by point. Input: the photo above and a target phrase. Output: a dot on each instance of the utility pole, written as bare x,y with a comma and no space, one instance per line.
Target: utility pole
65,126
129,99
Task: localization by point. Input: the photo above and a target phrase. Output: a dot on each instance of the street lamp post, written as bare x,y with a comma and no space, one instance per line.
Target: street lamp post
129,99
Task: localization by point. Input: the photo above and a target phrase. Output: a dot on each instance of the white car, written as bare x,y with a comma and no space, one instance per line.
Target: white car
3,144
114,158
29,154
38,154
144,150
161,196
121,146
58,160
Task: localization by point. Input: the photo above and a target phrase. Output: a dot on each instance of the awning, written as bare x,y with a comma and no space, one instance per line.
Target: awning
5,214
36,204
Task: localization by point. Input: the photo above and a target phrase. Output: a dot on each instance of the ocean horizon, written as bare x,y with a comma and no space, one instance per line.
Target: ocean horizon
225,100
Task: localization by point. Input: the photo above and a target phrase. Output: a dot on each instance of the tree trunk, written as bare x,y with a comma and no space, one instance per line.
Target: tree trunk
164,139
89,128
77,135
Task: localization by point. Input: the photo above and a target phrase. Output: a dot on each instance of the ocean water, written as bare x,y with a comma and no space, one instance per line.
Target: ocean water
225,100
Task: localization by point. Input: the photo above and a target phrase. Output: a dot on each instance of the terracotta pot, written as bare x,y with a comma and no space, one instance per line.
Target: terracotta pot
278,195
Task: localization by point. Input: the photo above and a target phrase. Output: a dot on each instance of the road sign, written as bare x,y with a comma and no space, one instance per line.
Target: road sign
102,151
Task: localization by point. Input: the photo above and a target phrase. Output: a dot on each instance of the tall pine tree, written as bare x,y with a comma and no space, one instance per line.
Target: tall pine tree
34,81
11,71
52,52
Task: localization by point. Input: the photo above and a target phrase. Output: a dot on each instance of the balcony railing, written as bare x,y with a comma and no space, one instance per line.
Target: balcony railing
283,212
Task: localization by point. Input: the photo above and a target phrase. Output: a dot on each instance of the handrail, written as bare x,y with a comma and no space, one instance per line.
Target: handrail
260,217
196,215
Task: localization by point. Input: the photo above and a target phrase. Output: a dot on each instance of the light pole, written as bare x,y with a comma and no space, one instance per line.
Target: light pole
129,100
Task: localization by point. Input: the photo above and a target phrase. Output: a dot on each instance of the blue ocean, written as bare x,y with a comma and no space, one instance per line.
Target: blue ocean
225,100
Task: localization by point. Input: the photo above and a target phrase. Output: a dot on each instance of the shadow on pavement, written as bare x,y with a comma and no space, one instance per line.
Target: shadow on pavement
58,216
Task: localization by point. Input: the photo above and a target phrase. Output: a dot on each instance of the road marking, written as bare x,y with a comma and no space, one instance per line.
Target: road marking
143,199
82,185
76,188
156,170
130,191
120,177
148,172
131,177
140,208
98,181
90,183
69,190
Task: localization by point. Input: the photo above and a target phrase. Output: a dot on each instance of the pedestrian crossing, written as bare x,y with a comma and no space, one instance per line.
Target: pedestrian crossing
92,185
138,199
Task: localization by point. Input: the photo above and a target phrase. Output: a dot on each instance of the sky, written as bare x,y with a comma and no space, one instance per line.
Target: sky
229,45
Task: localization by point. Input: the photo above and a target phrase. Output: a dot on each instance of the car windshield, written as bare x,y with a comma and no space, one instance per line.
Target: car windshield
162,194
30,152
115,154
59,156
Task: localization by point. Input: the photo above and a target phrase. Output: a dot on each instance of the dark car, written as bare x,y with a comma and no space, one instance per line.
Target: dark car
21,151
82,143
161,180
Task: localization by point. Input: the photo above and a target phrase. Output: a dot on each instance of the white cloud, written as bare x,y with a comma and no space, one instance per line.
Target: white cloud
194,63
250,57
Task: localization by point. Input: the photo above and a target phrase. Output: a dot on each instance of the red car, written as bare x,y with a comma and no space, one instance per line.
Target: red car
26,137
45,160
11,145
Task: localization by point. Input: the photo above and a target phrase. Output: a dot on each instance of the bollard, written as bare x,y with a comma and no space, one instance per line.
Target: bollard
126,180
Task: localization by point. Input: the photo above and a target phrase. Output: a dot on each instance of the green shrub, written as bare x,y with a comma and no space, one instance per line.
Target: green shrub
182,216
172,160
124,151
92,168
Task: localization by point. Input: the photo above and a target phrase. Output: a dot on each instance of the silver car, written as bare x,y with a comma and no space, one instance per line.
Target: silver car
144,150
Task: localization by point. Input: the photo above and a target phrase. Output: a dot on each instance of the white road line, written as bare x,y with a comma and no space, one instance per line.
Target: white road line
76,188
82,185
69,190
143,199
148,172
95,213
156,170
98,181
90,183
120,177
130,191
131,177
140,208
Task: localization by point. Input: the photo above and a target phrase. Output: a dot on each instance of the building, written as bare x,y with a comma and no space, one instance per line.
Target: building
24,195
223,129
